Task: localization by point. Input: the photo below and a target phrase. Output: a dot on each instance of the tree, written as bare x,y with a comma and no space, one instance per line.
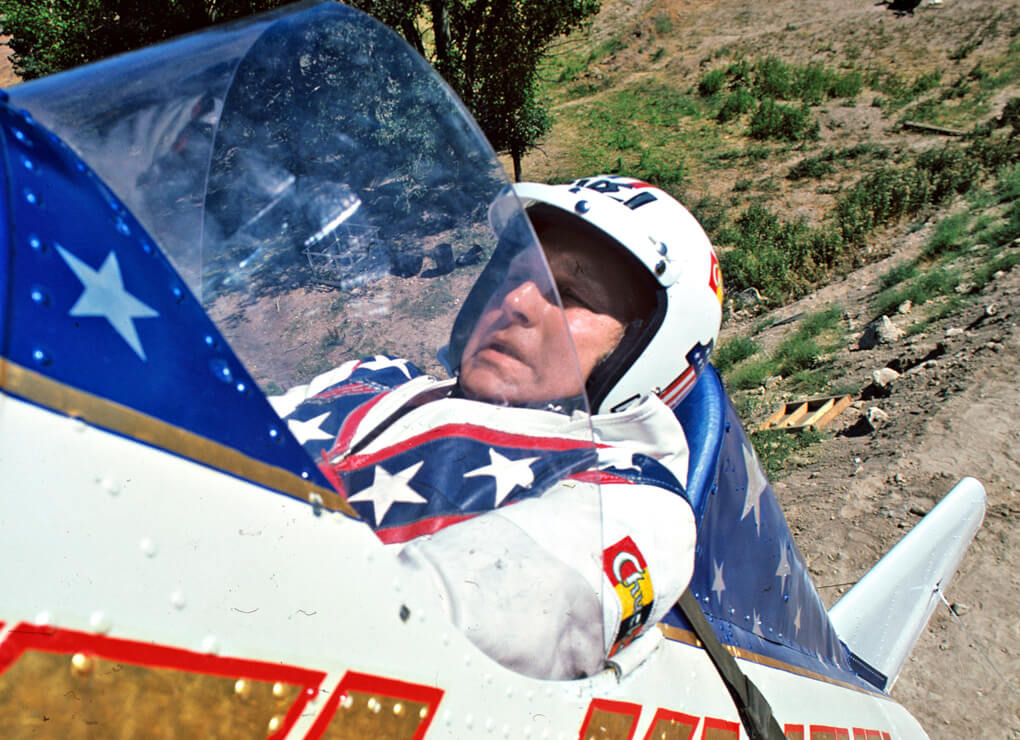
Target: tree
49,36
488,51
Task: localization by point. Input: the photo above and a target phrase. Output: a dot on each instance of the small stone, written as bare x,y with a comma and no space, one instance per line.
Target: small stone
876,417
772,381
954,331
884,376
905,307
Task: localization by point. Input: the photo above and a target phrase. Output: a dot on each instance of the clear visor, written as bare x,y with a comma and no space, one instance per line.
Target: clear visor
328,200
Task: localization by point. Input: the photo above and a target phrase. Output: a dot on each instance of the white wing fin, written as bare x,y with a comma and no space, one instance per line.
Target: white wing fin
882,616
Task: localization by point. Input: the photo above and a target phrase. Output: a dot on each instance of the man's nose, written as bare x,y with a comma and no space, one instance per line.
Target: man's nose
525,303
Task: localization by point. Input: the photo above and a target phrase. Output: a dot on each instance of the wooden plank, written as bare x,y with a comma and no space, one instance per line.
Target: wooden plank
794,416
815,414
946,131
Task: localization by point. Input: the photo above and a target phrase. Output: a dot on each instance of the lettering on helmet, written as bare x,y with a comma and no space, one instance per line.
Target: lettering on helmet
715,278
627,571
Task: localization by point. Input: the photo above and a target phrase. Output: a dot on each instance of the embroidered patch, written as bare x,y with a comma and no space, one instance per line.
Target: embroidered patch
627,571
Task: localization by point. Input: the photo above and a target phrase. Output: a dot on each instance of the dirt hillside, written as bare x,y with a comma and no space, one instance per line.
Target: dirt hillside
954,409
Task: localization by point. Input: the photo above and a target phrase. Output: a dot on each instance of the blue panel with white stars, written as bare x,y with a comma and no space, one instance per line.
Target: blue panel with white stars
94,305
749,577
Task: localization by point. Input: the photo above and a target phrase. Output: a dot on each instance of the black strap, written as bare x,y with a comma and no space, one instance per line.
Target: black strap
755,712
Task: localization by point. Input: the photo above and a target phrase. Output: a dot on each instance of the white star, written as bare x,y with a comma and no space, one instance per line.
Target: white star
718,584
508,473
756,483
309,429
104,296
756,622
390,488
796,621
784,568
380,362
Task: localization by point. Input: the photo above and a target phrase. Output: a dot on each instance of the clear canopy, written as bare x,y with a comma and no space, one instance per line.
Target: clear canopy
327,198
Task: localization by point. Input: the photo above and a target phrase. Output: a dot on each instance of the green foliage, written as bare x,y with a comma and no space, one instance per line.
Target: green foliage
48,37
779,258
776,447
749,374
898,274
737,103
732,351
773,120
817,334
489,53
951,235
814,167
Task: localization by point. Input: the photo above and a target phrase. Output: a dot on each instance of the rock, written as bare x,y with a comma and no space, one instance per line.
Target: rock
882,331
884,376
888,332
772,381
954,331
876,417
905,307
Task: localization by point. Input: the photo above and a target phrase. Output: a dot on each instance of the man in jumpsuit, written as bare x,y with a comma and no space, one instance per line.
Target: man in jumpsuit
550,554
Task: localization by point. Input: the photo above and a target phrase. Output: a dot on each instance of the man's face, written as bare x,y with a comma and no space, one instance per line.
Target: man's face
520,352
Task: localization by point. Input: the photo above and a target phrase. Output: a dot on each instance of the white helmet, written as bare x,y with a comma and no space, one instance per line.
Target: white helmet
666,353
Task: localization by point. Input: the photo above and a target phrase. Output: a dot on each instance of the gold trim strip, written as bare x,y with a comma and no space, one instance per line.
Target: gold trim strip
687,637
136,425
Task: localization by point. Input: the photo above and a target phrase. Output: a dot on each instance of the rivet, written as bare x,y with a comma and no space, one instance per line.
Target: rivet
146,247
275,723
82,665
148,547
210,340
221,370
305,474
210,645
35,243
663,248
39,297
122,227
347,701
29,164
177,599
178,293
31,197
660,267
100,623
109,485
582,206
274,434
279,690
43,618
423,713
377,707
241,387
242,688
20,136
398,709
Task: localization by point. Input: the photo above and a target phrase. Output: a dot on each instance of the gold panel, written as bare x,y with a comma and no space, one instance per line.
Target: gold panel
823,733
605,725
673,729
362,715
720,732
54,695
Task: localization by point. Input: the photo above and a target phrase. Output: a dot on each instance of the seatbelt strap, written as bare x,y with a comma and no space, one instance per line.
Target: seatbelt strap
754,710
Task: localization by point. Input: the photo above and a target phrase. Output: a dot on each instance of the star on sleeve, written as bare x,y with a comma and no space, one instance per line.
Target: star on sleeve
508,473
390,488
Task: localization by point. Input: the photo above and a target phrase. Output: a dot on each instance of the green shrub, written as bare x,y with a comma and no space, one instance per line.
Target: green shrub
732,351
951,234
813,167
737,103
898,274
749,374
711,83
782,122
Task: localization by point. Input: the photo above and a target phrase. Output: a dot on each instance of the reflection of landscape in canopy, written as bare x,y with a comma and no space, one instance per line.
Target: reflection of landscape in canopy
342,164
